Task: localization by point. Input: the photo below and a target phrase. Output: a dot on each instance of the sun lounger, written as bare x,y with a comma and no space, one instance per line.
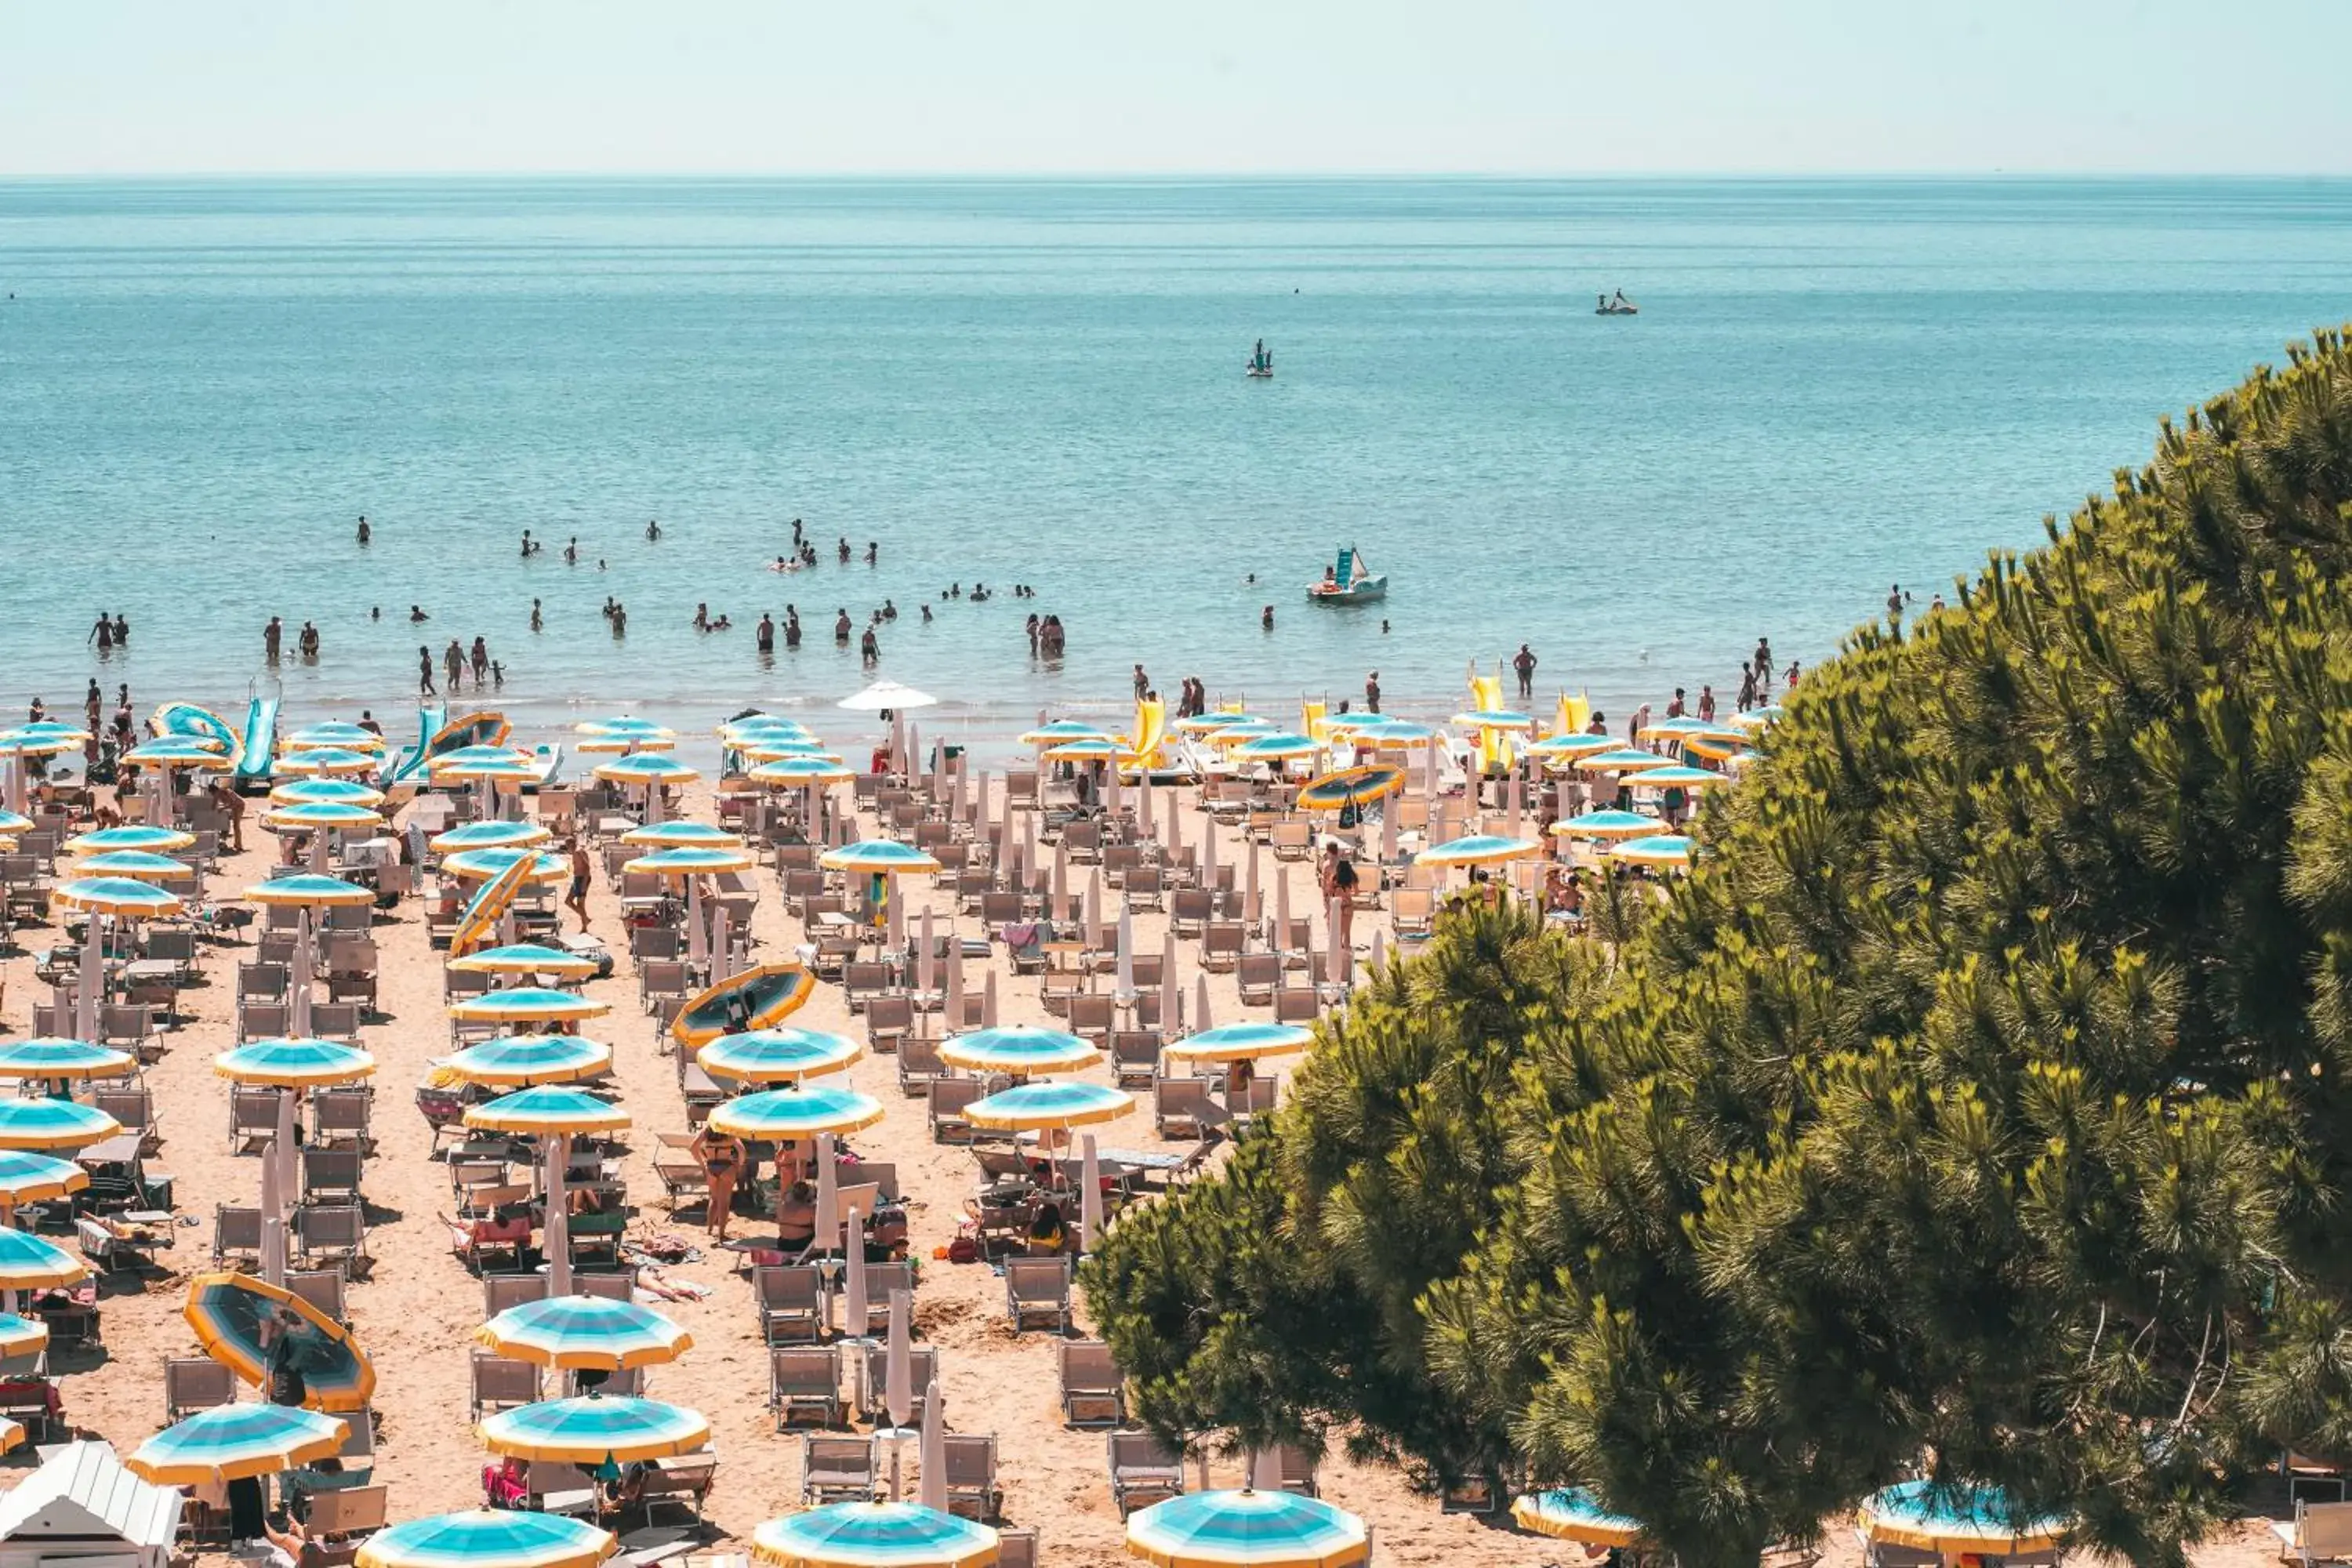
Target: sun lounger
1182,1108
1037,1288
681,1175
2319,1532
806,1378
237,1238
345,1513
971,1468
195,1383
949,1096
1143,1470
500,1383
919,1064
837,1469
336,1233
684,1478
790,1302
1296,1467
501,1291
922,1369
552,1488
1094,1391
323,1288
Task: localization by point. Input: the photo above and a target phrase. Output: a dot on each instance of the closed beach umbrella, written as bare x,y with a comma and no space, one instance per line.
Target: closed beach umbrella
29,1263
934,1494
1049,1107
1606,825
777,1056
898,1361
1090,1209
230,1442
778,1114
114,896
883,857
681,833
1247,1529
874,1535
1020,1049
527,1005
1573,1513
53,1124
229,1313
295,1064
29,1178
756,998
1480,849
335,735
524,1061
1243,1042
1955,1521
988,1000
491,835
62,1058
525,958
1356,788
139,864
338,791
133,836
572,1331
478,922
1669,850
332,763
488,1538
548,1111
309,891
595,1430
475,865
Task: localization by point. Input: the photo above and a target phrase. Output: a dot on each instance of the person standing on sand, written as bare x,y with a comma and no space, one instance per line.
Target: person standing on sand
1524,662
424,672
1338,878
575,897
722,1158
232,805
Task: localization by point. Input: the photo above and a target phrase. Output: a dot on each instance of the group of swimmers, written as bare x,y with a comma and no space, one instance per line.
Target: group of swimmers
273,639
455,661
803,554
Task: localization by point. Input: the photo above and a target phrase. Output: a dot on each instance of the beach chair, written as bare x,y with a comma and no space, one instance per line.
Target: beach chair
789,1299
2319,1532
1297,1005
1092,1015
1257,975
888,1020
874,1384
135,1109
1413,913
237,1238
323,1288
1094,1391
838,1469
862,980
329,1173
500,1291
681,1175
949,1097
1143,1470
335,1020
662,979
334,1233
807,1378
1037,1290
499,1383
1016,1548
263,1021
346,1513
176,947
1296,1467
130,1029
195,1383
340,1116
970,1467
553,1488
1135,1056
1222,945
358,1452
252,1117
1182,1108
684,1478
881,1280
919,1064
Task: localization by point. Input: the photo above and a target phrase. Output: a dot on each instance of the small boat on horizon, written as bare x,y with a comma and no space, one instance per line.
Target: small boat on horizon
1261,363
1616,305
1348,581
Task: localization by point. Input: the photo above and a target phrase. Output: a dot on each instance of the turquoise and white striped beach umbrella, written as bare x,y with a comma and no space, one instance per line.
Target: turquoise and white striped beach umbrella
493,834
528,1005
1479,849
777,1056
691,861
1573,1513
1244,1042
13,822
295,1063
521,1061
527,958
1762,718
1247,1530
1620,760
1049,1107
762,727
139,864
1560,747
480,865
1063,730
647,768
877,855
542,1111
681,833
58,1058
622,727
309,891
1957,1520
1018,1048
336,733
132,836
176,753
1497,718
53,1124
591,1332
1274,748
228,1442
1670,850
45,733
1679,777
331,761
458,758
802,770
594,1429
341,792
29,1262
1607,825
874,1535
20,1335
1392,734
1085,749
308,816
115,896
27,1178
488,1538
782,1113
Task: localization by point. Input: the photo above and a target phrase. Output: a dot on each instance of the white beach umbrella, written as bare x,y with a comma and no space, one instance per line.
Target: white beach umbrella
886,697
1126,977
1513,795
988,1001
934,1493
1208,850
1061,906
1389,814
559,1217
721,965
273,1207
1090,1212
855,1312
955,996
298,1014
1200,999
1143,818
1098,918
926,958
956,803
92,977
1252,904
1281,910
1170,991
1378,959
898,1361
828,1196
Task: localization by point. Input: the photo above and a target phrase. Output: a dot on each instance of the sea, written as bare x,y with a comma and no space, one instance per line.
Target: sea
1832,387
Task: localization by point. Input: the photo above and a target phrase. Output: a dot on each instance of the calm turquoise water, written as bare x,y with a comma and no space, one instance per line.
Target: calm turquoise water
1833,385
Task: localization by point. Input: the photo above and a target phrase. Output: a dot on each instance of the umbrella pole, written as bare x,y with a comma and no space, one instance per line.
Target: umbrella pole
559,1216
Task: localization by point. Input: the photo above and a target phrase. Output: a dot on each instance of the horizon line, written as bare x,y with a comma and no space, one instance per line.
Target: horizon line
1178,175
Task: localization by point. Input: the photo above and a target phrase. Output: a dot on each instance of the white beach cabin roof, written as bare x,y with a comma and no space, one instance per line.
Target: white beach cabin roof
81,1505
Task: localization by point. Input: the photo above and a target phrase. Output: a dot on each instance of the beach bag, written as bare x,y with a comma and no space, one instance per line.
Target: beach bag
965,1246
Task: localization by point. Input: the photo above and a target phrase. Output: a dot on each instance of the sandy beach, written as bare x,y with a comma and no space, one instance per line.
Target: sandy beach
416,1311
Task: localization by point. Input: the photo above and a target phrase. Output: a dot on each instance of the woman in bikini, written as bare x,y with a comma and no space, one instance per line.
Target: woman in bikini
723,1159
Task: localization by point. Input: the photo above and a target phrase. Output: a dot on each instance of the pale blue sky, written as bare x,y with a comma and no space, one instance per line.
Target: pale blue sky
1132,86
